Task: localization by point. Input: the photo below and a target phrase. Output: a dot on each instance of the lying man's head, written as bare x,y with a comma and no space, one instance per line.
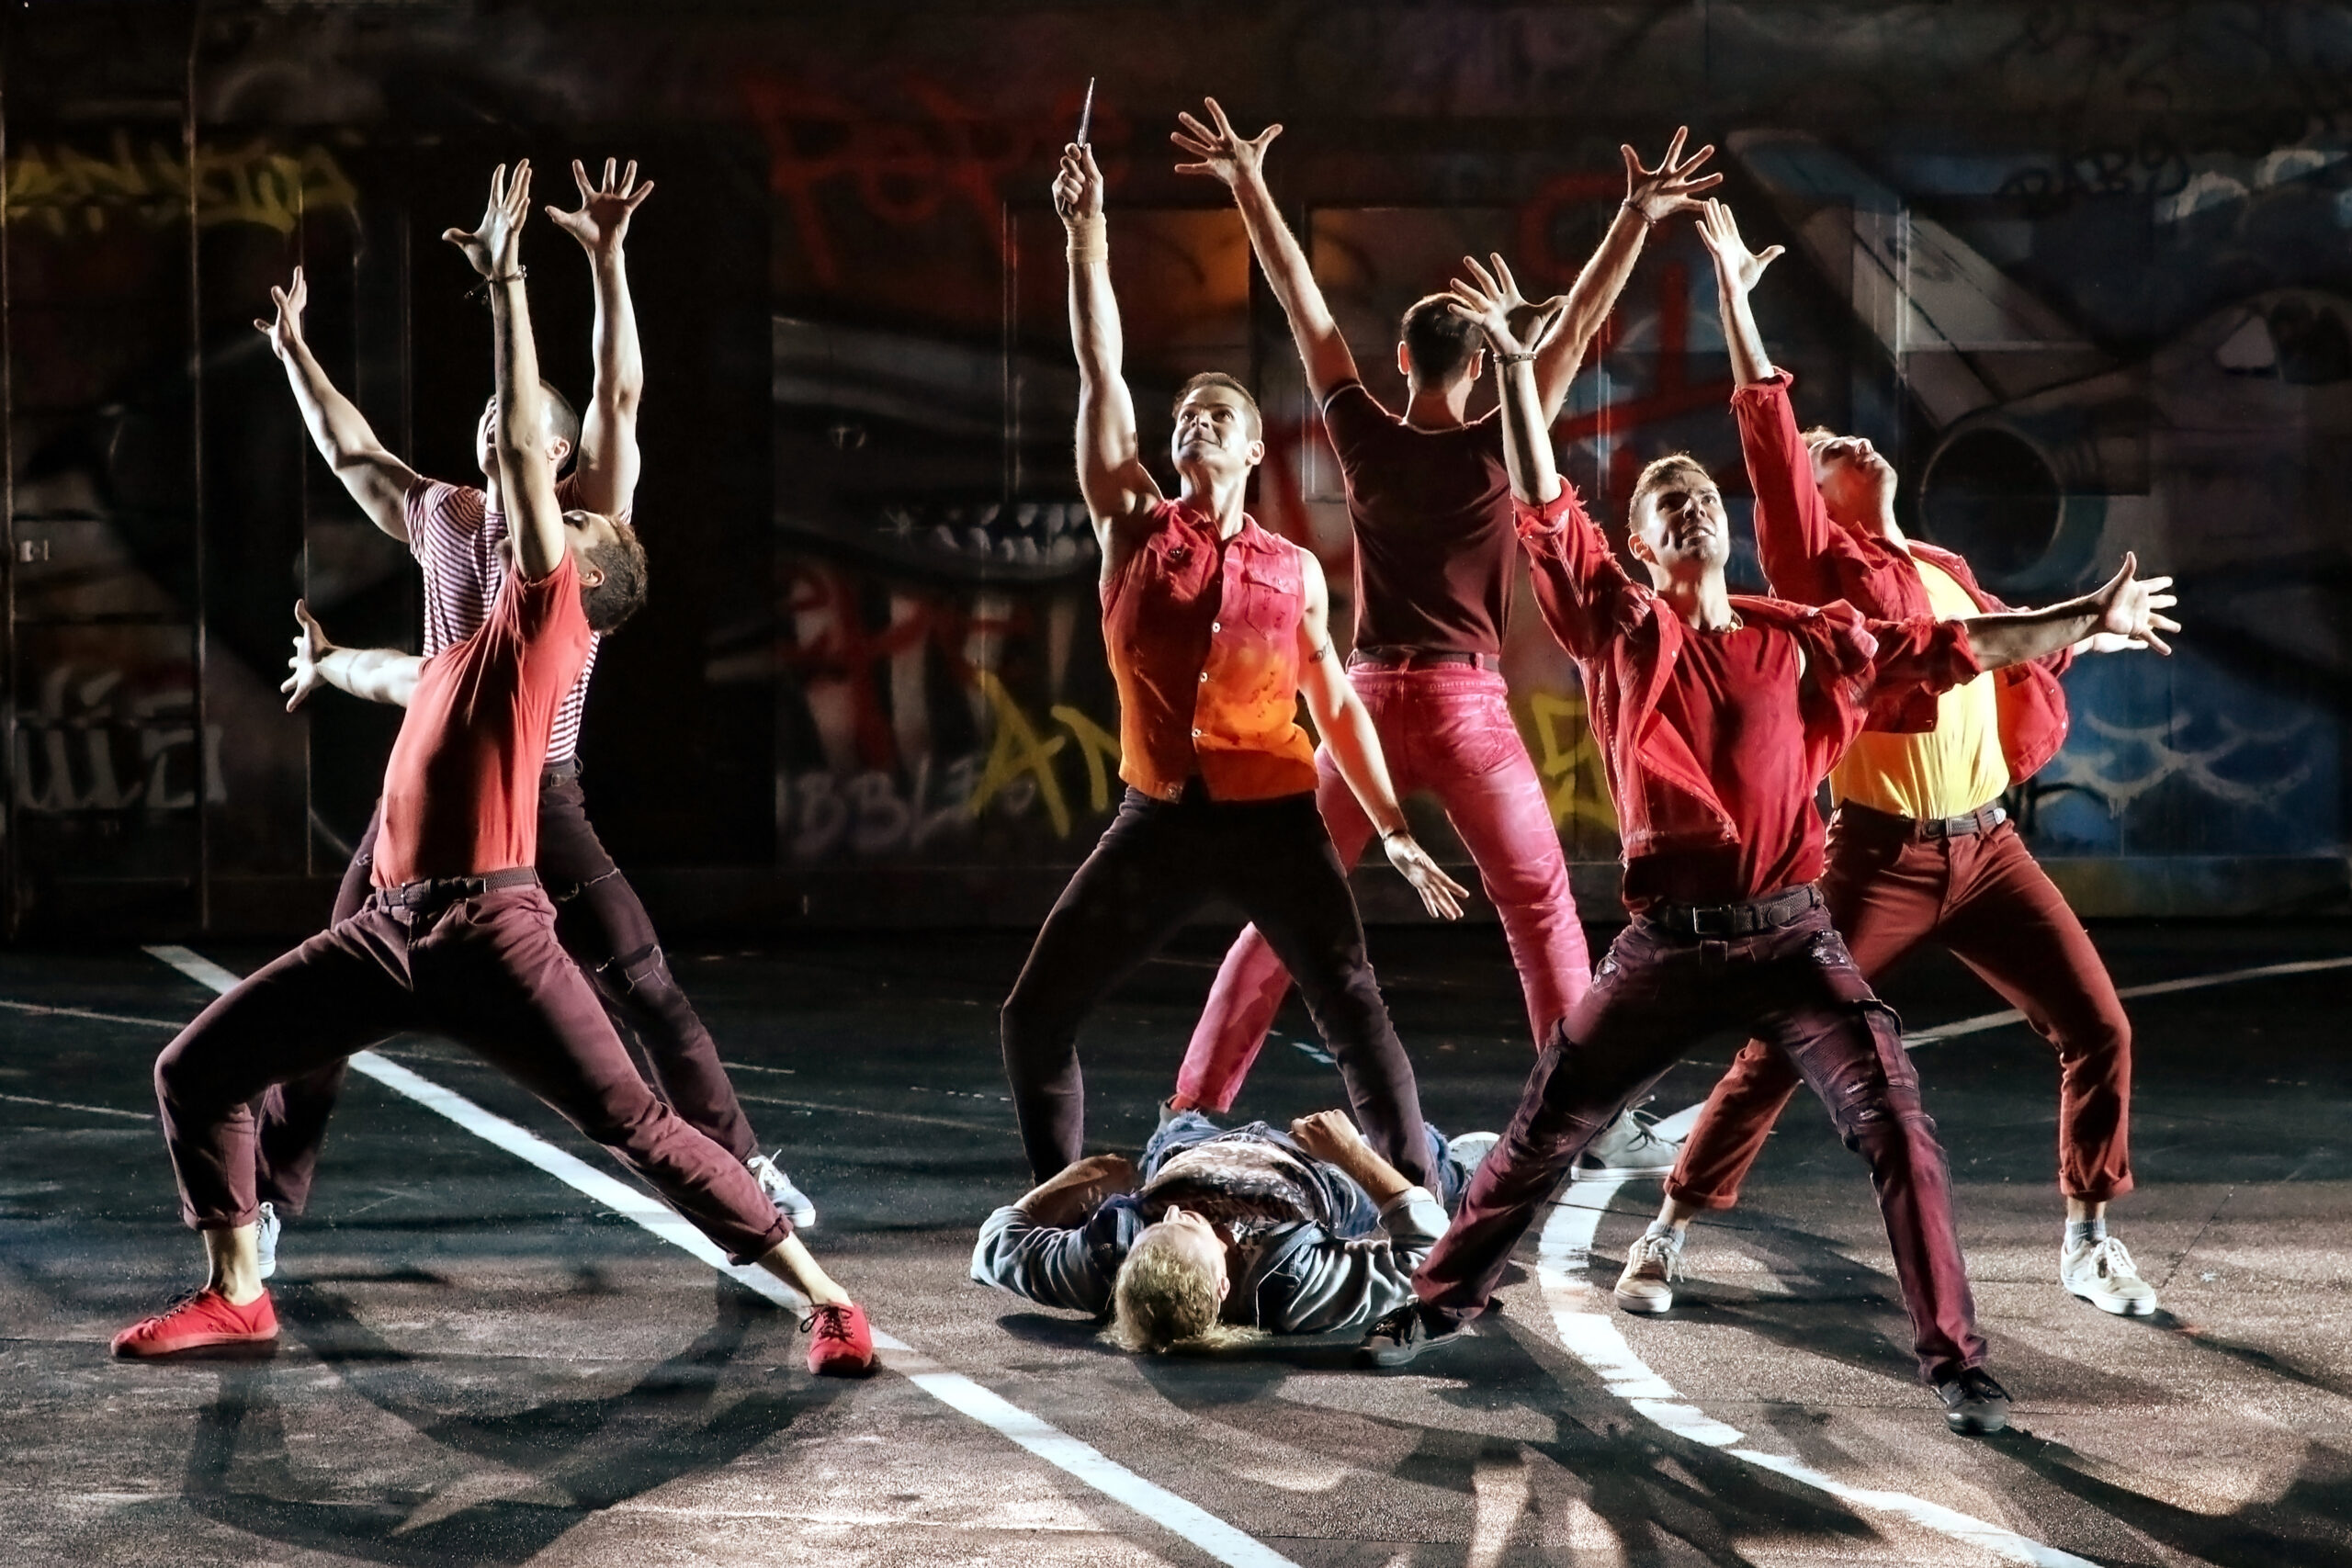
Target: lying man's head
1677,520
1171,1288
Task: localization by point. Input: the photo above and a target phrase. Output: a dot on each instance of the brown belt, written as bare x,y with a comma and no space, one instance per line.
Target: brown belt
1395,657
1983,819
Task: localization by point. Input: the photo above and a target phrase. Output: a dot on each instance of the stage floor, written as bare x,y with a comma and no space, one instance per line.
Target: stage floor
484,1364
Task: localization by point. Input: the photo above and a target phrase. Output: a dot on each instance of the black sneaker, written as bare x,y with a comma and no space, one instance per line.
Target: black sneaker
1975,1405
1402,1336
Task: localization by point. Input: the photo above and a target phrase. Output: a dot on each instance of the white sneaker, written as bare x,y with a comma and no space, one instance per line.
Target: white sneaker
266,1231
1652,1265
1470,1150
1629,1147
2102,1273
790,1200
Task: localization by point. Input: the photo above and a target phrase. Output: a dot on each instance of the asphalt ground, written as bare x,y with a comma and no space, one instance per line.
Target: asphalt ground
482,1364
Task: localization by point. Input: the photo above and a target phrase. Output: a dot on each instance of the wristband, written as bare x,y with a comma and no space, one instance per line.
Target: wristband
1405,832
1519,358
1090,239
1647,221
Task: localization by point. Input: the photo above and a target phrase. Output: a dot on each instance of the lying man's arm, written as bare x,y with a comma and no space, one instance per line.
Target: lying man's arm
371,674
1329,1285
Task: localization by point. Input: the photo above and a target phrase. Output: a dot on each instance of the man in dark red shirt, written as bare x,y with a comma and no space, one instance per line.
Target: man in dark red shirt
1214,628
1718,717
1435,548
458,935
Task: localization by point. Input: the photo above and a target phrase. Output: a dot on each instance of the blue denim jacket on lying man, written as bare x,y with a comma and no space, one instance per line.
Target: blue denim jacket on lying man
1342,1270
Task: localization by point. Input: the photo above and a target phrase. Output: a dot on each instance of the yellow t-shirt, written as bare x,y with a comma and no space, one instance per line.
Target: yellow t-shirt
1954,768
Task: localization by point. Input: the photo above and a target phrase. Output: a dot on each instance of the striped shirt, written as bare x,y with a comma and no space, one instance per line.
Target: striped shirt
456,541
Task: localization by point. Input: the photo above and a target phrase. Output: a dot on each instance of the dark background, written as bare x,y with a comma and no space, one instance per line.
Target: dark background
2084,268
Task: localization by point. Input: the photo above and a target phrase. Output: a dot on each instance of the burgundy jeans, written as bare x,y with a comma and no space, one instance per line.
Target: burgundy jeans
487,971
1446,728
1657,992
1985,899
606,929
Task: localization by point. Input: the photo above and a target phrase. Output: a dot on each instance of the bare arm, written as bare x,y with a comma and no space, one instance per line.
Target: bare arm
1346,728
376,481
2124,607
1067,1197
1737,271
371,674
1331,1137
526,476
1117,487
1225,154
1652,196
607,463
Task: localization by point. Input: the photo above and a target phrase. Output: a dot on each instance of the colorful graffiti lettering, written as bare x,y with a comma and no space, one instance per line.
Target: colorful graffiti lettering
67,754
67,190
1571,762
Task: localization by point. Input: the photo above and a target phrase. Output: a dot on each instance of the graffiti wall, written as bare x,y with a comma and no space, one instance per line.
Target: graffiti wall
2086,271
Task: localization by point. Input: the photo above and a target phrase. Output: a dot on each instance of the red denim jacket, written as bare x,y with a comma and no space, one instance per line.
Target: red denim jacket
1810,557
1203,639
1625,642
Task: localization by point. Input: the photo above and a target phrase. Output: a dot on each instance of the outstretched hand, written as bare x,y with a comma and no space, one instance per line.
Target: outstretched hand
1674,185
601,222
1077,185
1440,895
496,248
1494,306
2127,607
1737,267
311,648
285,334
1223,153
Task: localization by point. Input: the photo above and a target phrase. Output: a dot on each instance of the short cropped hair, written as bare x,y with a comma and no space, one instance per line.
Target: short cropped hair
1673,469
1439,344
1219,379
622,593
562,420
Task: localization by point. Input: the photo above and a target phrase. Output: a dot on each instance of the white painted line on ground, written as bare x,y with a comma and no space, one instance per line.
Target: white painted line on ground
958,1393
37,1011
93,1110
2007,1016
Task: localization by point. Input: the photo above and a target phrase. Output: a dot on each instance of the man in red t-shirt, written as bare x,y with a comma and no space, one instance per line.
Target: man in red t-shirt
1718,717
457,935
458,533
1435,547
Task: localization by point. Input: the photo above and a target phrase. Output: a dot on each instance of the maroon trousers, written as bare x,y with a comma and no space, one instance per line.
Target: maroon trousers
1985,898
1657,991
487,971
604,927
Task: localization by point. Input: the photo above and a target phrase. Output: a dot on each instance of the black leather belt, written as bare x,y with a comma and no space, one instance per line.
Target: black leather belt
1983,819
1395,657
449,889
1782,908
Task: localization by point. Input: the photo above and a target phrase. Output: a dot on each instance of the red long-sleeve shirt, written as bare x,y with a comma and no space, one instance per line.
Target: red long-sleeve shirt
1713,742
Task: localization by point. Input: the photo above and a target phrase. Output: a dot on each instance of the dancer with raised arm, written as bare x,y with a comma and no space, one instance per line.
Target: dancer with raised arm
1214,628
1718,717
457,534
1919,848
1435,550
457,935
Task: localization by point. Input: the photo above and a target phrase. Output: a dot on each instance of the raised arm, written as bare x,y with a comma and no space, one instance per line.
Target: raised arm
526,475
1346,728
1652,196
607,462
1111,475
371,674
1223,153
2124,610
377,480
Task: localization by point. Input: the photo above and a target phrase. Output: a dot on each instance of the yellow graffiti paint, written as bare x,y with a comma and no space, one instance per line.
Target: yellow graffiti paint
67,190
1571,763
1019,750
1100,749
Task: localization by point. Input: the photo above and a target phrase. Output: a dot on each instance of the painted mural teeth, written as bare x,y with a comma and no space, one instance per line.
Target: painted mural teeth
1028,541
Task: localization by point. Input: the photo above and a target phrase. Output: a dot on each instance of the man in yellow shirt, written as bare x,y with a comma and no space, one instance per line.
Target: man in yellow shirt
1919,846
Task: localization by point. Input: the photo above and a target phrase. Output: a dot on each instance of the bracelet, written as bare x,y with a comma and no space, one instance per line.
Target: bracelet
1647,221
1404,832
1090,239
481,290
1519,358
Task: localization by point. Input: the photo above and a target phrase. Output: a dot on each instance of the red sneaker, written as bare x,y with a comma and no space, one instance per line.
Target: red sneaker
841,1345
195,1321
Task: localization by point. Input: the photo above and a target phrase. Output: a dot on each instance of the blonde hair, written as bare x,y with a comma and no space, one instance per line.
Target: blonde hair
1164,1300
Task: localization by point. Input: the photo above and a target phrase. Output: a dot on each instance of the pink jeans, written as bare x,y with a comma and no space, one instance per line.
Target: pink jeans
1445,728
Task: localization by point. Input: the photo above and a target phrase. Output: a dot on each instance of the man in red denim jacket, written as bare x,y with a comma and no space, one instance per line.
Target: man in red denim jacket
1919,846
1717,717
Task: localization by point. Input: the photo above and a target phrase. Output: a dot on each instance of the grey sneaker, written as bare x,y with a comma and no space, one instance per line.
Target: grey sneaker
1629,1147
1652,1265
2102,1273
790,1200
265,1230
1974,1404
1470,1150
1402,1336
